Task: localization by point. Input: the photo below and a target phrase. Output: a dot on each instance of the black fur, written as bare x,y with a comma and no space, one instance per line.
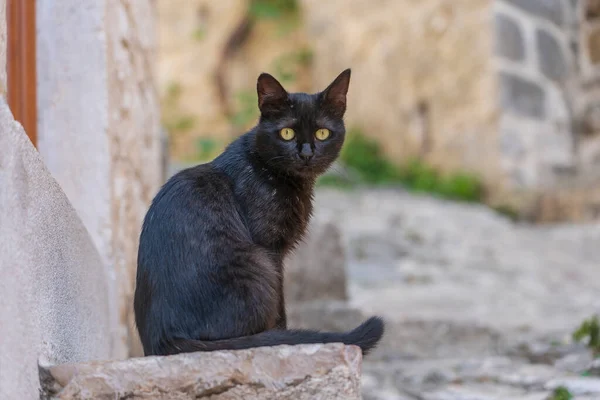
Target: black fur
213,242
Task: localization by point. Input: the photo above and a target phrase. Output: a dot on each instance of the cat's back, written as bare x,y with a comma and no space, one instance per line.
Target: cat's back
189,205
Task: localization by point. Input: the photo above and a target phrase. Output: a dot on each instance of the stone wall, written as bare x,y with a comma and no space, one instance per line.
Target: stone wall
549,93
507,89
99,125
423,79
201,41
57,299
536,72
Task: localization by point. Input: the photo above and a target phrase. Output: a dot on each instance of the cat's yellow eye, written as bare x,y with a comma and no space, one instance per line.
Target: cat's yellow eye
287,133
322,134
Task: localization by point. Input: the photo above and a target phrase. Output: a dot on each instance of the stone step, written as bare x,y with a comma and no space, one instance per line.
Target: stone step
304,372
490,378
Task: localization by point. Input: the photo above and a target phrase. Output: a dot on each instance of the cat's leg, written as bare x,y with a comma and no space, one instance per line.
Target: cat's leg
239,298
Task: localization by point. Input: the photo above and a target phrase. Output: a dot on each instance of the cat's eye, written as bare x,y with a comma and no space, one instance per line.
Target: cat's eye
322,134
287,133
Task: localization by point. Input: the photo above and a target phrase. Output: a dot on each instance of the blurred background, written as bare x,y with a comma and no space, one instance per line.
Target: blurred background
464,208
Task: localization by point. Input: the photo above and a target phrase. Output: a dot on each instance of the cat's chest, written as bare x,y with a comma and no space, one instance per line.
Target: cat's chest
277,217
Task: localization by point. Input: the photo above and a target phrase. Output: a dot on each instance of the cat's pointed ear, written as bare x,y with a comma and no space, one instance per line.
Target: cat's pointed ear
334,97
272,97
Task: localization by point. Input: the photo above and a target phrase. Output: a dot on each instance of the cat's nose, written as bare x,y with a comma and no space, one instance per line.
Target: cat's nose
306,153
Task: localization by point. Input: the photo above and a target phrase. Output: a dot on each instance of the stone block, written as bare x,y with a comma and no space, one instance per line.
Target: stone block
317,269
522,96
509,41
326,372
550,10
404,338
551,57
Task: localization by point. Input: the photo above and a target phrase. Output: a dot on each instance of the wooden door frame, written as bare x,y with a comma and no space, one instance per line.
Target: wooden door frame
21,64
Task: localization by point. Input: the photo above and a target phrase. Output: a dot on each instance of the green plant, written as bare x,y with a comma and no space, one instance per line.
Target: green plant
180,123
199,33
174,120
561,393
589,330
205,148
246,108
273,9
335,181
365,156
508,211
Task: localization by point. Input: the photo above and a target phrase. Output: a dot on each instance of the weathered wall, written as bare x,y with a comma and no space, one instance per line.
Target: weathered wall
134,140
536,71
99,124
200,39
423,76
57,302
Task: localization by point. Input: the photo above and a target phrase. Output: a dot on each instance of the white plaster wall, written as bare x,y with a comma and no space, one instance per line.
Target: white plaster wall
73,108
57,304
99,124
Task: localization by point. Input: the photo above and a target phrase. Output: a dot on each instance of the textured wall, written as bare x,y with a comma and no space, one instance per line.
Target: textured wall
423,77
536,67
134,139
57,303
193,36
99,123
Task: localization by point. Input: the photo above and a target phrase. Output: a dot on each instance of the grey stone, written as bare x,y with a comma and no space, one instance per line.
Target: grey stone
326,372
406,339
521,96
57,295
509,41
551,56
335,316
482,267
317,268
551,10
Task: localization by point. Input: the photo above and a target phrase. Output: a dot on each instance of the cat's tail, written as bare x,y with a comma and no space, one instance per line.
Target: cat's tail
365,336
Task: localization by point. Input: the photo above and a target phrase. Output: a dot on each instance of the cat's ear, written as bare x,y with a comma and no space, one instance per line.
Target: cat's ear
272,97
334,97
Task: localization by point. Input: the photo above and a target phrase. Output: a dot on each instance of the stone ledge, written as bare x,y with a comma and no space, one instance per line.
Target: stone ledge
283,372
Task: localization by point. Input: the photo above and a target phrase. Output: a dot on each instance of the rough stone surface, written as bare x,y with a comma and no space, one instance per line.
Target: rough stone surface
134,140
476,307
193,36
411,61
105,151
551,10
57,302
326,372
317,268
551,56
509,38
521,96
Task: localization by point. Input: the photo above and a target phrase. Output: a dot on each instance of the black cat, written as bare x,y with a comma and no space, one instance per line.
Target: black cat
210,261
